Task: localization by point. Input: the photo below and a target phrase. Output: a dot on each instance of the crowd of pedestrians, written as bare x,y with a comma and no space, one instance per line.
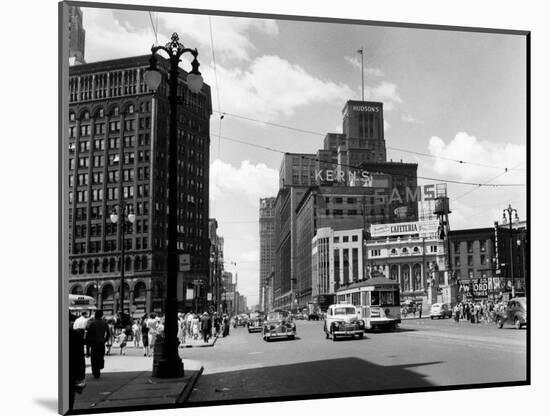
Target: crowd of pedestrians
192,326
477,312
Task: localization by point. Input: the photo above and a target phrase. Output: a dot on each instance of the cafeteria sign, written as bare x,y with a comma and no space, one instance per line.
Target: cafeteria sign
423,228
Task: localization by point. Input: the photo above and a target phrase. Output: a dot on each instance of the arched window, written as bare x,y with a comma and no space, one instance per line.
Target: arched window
108,293
91,290
112,264
417,277
405,278
393,251
131,109
404,250
128,263
140,290
394,272
137,263
96,266
81,267
416,249
89,266
116,111
77,290
105,266
74,267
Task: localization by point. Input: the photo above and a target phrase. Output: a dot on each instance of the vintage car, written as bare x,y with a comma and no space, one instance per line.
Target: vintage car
278,324
255,322
441,310
514,313
342,321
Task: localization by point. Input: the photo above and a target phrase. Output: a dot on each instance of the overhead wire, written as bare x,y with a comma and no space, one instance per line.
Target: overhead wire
316,133
359,167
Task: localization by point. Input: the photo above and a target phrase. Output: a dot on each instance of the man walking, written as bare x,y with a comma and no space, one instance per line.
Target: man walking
206,326
98,334
79,326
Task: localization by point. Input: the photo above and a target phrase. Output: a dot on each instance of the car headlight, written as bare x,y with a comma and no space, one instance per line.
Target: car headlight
361,323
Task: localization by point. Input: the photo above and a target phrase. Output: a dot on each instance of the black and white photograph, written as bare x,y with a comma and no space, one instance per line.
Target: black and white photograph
260,208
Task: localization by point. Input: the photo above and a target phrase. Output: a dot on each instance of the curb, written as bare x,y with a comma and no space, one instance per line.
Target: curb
201,346
188,389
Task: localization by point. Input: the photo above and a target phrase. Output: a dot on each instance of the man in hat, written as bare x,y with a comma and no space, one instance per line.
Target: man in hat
206,326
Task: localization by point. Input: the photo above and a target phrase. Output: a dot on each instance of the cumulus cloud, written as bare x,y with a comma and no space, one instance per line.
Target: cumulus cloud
480,155
271,86
108,37
249,181
230,34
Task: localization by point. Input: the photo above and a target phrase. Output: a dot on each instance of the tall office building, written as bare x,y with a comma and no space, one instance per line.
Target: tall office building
267,247
77,36
117,154
346,185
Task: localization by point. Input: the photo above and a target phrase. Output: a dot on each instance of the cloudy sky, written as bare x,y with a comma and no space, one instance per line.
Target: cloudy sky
448,97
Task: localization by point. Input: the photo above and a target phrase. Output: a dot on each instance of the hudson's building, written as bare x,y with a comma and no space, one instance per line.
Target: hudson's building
117,155
346,185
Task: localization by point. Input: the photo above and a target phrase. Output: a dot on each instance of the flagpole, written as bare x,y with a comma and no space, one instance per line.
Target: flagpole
362,76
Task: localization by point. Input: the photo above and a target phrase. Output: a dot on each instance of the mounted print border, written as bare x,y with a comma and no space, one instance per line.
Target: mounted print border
260,208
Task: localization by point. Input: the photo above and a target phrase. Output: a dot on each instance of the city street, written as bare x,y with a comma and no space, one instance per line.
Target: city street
422,353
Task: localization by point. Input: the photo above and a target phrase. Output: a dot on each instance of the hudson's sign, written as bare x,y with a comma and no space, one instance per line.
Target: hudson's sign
365,108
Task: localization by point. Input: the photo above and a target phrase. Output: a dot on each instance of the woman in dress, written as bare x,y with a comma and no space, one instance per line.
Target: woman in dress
145,335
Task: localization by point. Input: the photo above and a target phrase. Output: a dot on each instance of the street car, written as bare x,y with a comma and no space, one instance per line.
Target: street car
255,322
514,313
342,321
278,324
441,310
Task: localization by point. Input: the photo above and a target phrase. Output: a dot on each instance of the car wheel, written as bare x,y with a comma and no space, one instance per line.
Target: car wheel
361,336
517,323
432,318
291,337
500,323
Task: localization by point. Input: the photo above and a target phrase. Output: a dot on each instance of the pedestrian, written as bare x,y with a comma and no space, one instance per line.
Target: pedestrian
77,364
98,335
152,324
145,335
122,342
420,311
206,326
216,324
136,332
195,323
457,313
80,325
225,326
112,332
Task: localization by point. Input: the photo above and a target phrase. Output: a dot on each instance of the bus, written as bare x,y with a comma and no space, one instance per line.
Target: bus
377,301
81,303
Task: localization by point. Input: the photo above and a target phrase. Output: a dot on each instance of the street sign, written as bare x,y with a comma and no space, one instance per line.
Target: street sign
185,262
209,297
190,294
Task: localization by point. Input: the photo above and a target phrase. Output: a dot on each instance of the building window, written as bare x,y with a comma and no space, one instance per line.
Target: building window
470,260
99,128
470,247
336,239
85,130
483,259
345,239
354,238
483,246
114,126
457,261
456,247
470,274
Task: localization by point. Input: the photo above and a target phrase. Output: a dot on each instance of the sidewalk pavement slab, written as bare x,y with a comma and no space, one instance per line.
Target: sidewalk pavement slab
137,388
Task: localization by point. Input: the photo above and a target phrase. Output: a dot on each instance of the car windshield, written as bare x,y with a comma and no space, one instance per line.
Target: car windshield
276,316
344,311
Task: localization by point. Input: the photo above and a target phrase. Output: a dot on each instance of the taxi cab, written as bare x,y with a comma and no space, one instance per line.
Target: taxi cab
342,321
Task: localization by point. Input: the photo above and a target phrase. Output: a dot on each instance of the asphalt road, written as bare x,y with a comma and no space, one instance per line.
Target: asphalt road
421,353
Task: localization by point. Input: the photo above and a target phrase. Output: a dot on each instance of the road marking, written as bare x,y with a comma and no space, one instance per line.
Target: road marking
255,352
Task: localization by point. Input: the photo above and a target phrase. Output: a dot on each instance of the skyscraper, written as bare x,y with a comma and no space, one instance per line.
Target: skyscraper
117,156
77,36
267,246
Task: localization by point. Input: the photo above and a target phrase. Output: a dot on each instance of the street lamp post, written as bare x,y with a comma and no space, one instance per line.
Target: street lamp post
127,216
511,211
170,364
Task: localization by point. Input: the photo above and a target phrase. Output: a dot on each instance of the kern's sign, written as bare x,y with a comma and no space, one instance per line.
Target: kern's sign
422,228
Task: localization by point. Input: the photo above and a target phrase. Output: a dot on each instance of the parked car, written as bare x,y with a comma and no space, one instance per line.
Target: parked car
278,324
441,310
255,323
342,321
514,313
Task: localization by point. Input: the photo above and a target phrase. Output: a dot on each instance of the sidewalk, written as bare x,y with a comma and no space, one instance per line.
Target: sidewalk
136,388
191,343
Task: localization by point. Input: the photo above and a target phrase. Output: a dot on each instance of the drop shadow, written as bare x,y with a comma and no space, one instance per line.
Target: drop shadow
47,403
